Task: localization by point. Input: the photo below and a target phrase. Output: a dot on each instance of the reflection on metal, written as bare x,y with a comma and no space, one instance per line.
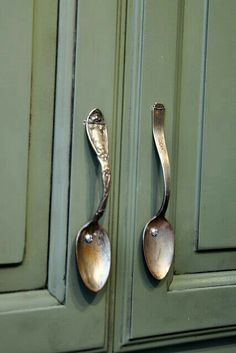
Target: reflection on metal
93,251
158,236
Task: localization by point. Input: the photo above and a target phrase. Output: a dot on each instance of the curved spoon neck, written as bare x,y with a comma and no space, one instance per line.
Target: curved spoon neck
98,215
165,200
158,115
106,179
97,133
162,211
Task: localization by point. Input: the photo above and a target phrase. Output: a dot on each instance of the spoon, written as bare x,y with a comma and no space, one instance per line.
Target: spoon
158,236
93,250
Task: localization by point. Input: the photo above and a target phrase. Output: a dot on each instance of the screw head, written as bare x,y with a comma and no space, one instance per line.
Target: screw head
155,232
88,238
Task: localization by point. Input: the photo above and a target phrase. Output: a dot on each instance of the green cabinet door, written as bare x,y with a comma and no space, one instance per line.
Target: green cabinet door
72,69
180,53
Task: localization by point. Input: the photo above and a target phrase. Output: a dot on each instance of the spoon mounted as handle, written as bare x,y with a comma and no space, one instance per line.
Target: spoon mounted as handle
158,115
97,133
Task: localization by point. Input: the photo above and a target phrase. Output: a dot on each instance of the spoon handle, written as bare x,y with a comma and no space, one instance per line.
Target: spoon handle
158,115
97,133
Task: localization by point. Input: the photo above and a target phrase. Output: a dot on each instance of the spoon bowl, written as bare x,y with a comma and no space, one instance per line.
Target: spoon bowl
93,253
158,246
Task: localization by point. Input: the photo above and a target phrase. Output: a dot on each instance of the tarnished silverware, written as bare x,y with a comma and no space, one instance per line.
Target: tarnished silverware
93,250
158,236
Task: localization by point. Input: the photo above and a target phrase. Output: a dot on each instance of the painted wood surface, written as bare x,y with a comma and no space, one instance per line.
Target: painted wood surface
120,58
191,161
65,316
164,62
218,173
33,103
64,95
15,87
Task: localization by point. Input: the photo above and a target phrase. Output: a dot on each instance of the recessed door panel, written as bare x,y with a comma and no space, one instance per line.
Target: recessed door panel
16,19
27,70
205,170
217,221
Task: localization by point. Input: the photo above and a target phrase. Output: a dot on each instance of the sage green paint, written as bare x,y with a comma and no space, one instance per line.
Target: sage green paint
80,323
164,62
35,90
15,72
128,55
22,301
61,151
194,93
218,189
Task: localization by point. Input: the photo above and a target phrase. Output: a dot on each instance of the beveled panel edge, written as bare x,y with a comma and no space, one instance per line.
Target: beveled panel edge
201,121
26,300
202,280
177,339
61,148
115,152
134,58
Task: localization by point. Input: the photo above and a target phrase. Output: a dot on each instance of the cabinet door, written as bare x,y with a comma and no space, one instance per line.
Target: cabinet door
58,62
183,54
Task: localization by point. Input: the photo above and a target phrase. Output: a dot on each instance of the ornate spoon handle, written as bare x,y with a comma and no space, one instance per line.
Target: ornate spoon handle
97,133
158,115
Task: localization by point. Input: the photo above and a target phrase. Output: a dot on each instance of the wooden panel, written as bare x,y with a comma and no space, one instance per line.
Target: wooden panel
15,71
35,172
218,187
194,99
164,63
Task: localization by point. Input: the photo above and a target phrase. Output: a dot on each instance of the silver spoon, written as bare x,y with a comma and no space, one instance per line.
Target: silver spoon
158,236
93,250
